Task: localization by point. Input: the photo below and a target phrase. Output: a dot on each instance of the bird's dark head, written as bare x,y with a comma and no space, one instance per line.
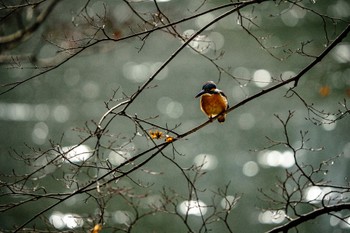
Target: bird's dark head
208,87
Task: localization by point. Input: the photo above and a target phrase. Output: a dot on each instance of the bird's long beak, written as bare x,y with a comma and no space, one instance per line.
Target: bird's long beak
200,93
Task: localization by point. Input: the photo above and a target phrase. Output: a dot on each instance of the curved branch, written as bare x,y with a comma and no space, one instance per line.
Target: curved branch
23,34
311,215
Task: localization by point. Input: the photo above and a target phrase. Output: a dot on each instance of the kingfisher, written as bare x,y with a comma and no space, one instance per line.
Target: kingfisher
213,101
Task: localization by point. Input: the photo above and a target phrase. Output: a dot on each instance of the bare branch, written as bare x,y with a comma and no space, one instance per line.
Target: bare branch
309,216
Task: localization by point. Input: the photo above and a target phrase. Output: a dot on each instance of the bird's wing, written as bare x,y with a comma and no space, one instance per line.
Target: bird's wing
223,94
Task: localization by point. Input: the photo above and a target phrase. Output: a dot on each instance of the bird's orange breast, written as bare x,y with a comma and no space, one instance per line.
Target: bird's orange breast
213,104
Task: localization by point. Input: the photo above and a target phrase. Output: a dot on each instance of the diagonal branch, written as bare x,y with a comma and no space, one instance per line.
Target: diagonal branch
311,215
295,79
23,34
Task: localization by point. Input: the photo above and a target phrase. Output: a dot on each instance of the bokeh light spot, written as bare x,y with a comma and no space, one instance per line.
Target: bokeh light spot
342,53
46,168
174,109
274,158
56,219
123,217
340,8
313,194
60,221
206,161
73,221
136,72
40,132
217,40
41,112
241,73
346,223
272,217
163,73
239,94
287,75
229,202
250,168
289,19
118,157
91,90
16,111
77,153
197,208
262,78
201,43
329,124
61,113
298,12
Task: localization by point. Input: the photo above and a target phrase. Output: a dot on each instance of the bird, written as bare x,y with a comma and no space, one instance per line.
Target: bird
213,101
